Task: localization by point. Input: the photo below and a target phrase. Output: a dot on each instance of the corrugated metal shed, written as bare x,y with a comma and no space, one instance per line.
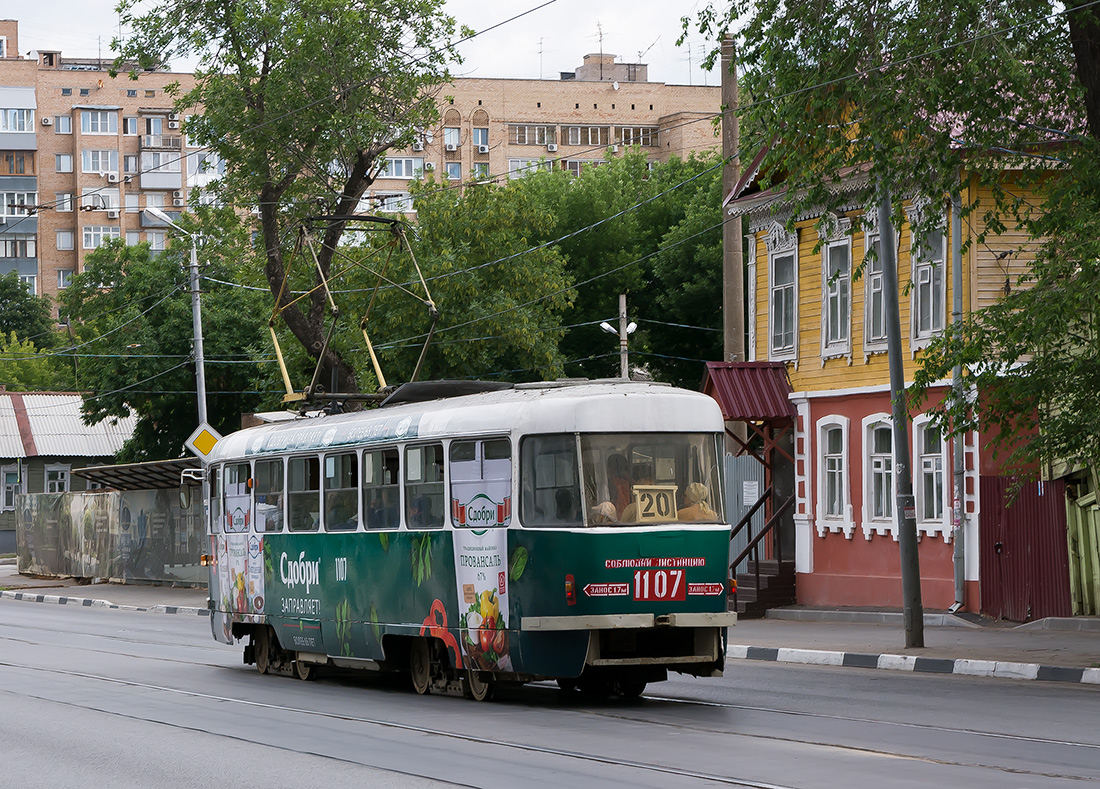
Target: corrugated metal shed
10,445
151,475
50,424
752,391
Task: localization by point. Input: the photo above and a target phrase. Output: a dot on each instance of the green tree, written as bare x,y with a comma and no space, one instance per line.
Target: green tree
301,99
137,335
24,367
911,95
23,313
499,315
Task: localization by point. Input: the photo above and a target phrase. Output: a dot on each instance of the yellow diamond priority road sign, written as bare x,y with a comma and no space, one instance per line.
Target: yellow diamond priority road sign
203,440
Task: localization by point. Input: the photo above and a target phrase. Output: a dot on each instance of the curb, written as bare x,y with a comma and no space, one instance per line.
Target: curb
963,666
865,617
89,602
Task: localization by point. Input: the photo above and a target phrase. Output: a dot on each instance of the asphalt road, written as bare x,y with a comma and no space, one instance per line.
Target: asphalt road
117,698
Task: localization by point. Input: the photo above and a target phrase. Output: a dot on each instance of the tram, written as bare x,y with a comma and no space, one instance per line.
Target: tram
473,533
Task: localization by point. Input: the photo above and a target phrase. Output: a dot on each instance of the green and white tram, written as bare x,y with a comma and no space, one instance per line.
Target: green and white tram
473,533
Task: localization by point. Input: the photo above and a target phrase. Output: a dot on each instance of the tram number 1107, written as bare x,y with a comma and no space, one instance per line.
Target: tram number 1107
659,585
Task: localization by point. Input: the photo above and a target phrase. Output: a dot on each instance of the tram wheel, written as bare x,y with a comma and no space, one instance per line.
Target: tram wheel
304,671
630,688
478,686
261,649
420,666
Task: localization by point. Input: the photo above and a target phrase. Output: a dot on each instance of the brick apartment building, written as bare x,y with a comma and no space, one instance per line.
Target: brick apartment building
493,127
88,152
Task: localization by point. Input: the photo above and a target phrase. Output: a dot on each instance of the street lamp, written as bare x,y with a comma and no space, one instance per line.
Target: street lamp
196,309
625,329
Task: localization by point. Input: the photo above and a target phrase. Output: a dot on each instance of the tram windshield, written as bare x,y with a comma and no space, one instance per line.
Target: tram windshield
626,478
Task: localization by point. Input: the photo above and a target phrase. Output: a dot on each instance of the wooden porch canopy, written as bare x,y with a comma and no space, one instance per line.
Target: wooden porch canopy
756,393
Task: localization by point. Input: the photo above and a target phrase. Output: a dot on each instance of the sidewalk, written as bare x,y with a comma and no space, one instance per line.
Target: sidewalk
1062,650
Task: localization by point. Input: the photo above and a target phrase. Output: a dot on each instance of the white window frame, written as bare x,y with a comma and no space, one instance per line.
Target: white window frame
16,120
781,243
99,199
931,526
835,233
452,135
521,168
480,136
130,125
19,486
63,201
404,167
133,238
96,235
31,281
395,203
98,160
63,124
872,525
452,171
480,171
157,239
924,268
63,470
66,240
63,162
161,162
98,122
532,134
873,281
14,204
65,277
843,522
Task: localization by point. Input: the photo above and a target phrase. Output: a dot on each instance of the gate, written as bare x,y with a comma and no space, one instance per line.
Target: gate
1023,551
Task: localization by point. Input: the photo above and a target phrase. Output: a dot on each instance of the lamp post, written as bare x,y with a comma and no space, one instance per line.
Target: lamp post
196,309
625,329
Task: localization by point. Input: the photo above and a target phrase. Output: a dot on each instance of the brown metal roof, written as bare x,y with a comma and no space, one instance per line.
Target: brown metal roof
153,475
750,391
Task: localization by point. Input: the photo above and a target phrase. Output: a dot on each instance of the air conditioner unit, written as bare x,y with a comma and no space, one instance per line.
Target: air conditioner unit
451,146
483,149
173,124
613,148
177,193
112,178
429,165
47,121
173,116
177,201
418,146
112,214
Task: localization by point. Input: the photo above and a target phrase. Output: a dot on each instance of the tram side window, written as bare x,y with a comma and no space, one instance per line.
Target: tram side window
236,481
481,483
424,487
215,500
304,494
381,489
341,492
551,493
268,488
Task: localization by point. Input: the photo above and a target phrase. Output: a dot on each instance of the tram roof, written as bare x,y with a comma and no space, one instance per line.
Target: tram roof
573,406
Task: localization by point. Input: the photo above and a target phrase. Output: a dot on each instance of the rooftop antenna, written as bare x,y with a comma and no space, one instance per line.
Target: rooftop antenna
643,52
599,32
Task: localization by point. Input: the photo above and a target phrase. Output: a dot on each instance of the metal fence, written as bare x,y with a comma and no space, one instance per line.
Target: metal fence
118,536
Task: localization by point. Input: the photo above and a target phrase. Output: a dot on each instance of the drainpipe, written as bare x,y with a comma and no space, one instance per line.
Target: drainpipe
958,508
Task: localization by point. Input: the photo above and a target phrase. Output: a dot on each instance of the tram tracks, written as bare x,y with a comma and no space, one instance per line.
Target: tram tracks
632,714
593,758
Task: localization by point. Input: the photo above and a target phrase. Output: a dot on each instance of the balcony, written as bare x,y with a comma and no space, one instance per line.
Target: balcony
163,142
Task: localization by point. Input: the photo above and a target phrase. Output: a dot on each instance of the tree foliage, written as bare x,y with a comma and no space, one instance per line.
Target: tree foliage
913,95
138,334
302,99
21,312
25,367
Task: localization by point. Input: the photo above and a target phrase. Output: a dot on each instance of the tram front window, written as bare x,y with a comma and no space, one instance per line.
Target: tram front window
628,478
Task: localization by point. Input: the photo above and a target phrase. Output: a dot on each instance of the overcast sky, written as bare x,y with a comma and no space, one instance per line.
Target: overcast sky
545,42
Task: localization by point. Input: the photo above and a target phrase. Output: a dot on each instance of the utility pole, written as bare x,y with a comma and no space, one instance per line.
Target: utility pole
906,512
624,367
733,264
626,328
